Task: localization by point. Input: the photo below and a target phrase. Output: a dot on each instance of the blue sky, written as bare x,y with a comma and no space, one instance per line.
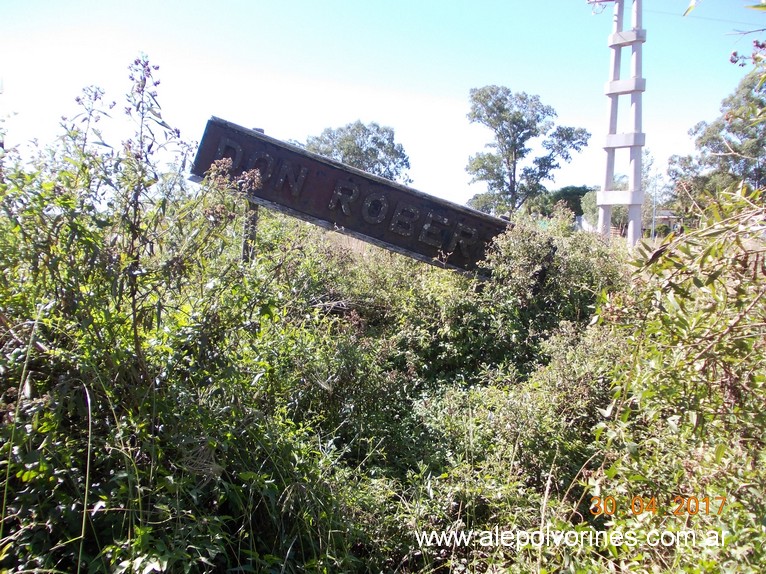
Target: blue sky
295,67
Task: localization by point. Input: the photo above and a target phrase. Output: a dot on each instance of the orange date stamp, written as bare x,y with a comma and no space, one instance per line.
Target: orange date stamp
678,506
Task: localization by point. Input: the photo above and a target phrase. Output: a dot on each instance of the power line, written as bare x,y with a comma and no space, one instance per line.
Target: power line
694,17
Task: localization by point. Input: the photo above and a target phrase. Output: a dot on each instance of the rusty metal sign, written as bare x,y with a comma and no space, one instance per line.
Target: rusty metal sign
339,197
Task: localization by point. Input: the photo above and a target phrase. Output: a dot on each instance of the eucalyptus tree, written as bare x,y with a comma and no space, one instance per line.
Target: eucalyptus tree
730,149
369,147
518,121
733,144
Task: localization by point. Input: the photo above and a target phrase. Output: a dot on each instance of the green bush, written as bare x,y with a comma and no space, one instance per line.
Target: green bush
171,407
687,417
143,370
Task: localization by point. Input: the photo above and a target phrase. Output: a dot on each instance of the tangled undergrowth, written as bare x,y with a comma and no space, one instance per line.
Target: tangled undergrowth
169,407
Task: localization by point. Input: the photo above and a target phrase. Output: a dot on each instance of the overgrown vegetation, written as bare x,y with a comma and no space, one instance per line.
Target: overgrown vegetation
168,407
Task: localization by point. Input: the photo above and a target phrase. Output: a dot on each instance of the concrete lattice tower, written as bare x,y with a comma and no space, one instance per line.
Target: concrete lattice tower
633,139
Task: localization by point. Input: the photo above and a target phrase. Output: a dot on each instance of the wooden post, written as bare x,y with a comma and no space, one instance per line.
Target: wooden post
249,232
250,227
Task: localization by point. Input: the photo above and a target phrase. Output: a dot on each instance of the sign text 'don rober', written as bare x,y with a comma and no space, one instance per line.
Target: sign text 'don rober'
339,197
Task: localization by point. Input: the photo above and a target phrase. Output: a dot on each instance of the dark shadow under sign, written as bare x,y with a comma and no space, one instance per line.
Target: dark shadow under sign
351,201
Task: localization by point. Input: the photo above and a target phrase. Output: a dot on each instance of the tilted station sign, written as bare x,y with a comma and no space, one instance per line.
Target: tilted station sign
336,196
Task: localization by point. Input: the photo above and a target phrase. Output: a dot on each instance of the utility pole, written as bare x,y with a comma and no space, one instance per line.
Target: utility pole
633,140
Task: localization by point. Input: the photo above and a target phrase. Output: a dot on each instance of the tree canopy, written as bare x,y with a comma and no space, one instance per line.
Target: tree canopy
733,143
571,196
369,147
731,149
517,120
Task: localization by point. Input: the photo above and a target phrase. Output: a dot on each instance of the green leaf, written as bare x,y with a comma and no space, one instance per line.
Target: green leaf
98,506
607,411
4,550
672,300
720,450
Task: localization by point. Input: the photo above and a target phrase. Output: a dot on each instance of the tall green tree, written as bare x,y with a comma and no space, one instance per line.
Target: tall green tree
689,182
733,144
369,147
518,121
730,149
570,195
